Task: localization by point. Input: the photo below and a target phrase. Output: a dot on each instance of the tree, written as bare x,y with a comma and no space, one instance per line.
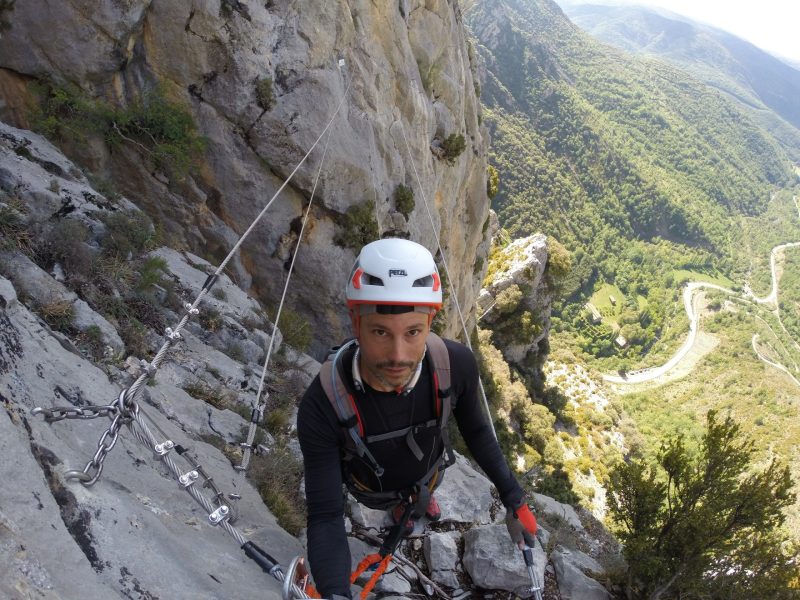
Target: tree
705,524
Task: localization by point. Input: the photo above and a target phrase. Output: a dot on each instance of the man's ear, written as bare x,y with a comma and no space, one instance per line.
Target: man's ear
355,321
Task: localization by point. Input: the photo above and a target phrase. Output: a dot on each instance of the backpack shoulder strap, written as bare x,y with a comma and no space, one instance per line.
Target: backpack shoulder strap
438,353
341,399
333,383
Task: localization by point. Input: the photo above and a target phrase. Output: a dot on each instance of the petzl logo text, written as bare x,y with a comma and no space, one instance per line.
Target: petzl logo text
397,273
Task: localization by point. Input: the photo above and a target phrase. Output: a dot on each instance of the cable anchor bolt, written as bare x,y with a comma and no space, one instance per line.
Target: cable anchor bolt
218,516
164,448
188,478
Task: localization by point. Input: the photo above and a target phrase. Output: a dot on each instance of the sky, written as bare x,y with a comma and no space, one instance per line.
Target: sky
772,25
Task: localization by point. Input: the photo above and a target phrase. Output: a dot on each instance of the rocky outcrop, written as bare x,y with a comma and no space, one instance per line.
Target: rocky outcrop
573,582
494,563
515,303
262,81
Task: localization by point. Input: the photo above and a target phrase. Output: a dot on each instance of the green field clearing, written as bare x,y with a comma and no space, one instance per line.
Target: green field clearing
602,300
715,278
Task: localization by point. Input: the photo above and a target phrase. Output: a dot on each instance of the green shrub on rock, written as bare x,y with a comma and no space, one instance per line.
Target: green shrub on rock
404,200
163,130
357,227
265,96
454,145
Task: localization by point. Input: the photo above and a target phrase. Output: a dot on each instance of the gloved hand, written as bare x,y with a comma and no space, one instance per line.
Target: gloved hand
521,524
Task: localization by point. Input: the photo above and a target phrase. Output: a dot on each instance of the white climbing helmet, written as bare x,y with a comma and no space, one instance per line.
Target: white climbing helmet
394,271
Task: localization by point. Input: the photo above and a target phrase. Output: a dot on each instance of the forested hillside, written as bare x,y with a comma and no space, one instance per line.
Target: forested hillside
643,172
763,85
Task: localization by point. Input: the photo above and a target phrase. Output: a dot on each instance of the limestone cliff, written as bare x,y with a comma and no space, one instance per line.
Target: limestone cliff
261,80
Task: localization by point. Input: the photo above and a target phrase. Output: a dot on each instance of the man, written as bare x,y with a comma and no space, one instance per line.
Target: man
391,448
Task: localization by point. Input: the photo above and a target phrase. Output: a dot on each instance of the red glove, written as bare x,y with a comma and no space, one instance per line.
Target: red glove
521,524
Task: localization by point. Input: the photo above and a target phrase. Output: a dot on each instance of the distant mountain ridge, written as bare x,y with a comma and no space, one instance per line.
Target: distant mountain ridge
760,81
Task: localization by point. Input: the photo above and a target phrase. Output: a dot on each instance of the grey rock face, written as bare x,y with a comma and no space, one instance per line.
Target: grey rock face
583,561
465,495
8,295
494,562
191,272
442,557
93,540
50,185
518,286
366,517
547,505
36,283
394,582
573,583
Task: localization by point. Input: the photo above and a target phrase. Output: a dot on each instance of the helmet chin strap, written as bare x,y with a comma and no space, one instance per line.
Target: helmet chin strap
359,383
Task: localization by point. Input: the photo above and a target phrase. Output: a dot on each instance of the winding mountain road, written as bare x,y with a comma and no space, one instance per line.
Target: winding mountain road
772,298
649,374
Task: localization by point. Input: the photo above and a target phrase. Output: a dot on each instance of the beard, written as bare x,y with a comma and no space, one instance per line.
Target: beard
399,382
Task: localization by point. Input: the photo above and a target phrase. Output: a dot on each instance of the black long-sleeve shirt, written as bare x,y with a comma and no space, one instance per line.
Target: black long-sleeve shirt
322,442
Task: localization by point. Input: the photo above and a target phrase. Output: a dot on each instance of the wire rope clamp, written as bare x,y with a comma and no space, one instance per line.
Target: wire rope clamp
147,369
172,334
218,516
191,309
164,448
188,478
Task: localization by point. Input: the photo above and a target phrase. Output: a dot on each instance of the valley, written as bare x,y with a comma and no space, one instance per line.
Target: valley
737,357
696,345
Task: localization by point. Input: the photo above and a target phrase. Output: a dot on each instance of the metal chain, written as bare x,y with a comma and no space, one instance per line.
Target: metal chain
58,413
121,413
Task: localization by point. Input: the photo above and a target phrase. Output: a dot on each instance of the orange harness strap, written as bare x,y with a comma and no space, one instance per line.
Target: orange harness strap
367,562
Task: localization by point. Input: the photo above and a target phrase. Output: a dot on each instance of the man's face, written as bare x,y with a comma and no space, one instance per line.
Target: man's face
391,348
